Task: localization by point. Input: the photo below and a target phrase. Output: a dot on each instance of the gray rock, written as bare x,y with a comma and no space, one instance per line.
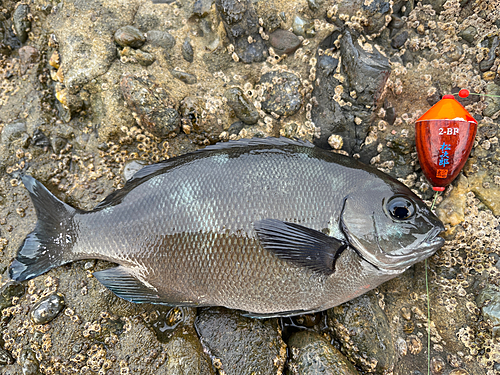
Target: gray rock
201,8
365,74
488,62
152,104
187,51
284,41
239,345
157,38
47,308
374,12
236,127
303,28
493,102
468,34
187,78
137,56
364,332
241,22
132,167
399,40
242,107
312,354
22,24
129,36
281,93
29,363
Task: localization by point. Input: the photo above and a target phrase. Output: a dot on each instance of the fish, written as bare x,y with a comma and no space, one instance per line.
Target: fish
273,227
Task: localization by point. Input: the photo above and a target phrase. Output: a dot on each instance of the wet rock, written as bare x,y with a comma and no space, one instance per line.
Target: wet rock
313,354
303,28
187,78
284,41
157,38
281,93
129,36
242,29
364,73
327,64
187,51
22,24
186,356
242,107
152,105
47,309
239,345
364,331
489,302
40,139
8,292
29,363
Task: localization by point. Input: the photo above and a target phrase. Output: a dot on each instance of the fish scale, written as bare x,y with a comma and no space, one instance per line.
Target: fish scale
252,225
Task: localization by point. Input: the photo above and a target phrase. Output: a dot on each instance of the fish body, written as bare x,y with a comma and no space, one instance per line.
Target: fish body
271,226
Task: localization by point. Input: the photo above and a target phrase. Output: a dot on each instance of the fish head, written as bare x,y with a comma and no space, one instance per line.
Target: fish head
389,226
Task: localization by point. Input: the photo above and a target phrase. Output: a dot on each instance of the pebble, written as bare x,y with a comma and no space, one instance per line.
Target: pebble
152,104
129,36
312,354
284,41
468,34
399,40
242,107
157,38
187,51
137,56
187,78
240,345
303,28
281,93
369,342
29,363
21,22
236,127
40,139
47,309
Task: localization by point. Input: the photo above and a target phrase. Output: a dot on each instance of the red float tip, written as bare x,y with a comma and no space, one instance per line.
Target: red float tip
463,93
448,96
438,188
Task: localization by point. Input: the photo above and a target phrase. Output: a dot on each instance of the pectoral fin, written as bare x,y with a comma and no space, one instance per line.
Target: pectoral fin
300,245
124,284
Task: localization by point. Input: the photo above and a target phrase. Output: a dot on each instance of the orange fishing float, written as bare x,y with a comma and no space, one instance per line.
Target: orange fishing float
444,138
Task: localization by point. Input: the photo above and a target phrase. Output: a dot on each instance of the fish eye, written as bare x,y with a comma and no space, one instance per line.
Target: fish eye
400,208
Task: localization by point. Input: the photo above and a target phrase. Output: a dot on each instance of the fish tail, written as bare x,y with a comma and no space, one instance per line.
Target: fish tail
49,245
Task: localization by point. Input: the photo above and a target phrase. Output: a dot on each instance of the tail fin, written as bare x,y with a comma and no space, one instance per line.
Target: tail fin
49,245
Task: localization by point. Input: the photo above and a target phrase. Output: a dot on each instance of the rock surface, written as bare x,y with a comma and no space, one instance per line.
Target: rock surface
77,109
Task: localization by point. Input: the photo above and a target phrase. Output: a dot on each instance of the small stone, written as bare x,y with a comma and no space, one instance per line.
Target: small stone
40,139
303,28
129,36
187,51
284,41
187,78
47,309
137,56
281,93
162,39
21,22
468,34
29,363
399,40
236,127
242,107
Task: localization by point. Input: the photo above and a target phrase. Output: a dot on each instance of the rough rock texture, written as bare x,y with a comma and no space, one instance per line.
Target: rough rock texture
363,71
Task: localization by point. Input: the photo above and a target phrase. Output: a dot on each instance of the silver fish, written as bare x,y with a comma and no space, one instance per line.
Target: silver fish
271,226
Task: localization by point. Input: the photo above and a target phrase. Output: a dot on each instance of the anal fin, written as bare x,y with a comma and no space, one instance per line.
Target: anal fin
122,282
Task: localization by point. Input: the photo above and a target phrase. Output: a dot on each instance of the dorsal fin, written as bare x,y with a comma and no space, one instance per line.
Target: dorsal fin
152,170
